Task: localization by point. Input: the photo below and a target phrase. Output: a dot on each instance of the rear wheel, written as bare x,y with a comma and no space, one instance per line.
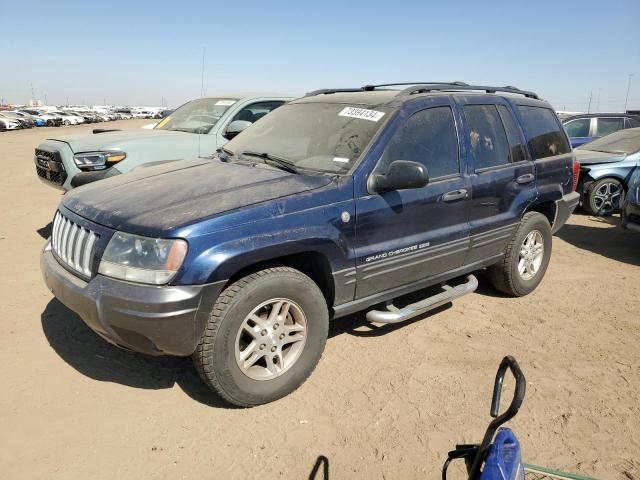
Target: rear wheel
264,337
604,197
526,257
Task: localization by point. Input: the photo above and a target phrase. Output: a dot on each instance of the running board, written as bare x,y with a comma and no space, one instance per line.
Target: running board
395,315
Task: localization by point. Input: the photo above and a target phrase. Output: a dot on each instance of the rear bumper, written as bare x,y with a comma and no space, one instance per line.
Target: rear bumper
631,217
154,320
564,208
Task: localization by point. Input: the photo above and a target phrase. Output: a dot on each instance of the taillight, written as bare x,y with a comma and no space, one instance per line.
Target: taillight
576,173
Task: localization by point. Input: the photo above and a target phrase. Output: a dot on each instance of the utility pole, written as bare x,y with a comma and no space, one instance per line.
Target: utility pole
67,101
33,96
626,100
590,97
45,99
598,100
204,49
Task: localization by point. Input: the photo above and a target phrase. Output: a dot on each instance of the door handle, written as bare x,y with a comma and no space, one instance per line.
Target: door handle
455,195
524,179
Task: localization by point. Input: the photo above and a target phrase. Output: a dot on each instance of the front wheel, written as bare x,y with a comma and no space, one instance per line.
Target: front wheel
264,337
67,123
604,197
526,257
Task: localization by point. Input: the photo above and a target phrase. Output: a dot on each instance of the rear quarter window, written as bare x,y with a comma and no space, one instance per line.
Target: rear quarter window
545,136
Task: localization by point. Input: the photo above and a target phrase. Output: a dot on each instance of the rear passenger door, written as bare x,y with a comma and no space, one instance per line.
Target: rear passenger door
502,179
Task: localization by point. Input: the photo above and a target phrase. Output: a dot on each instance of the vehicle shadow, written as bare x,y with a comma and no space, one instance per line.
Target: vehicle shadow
616,242
92,356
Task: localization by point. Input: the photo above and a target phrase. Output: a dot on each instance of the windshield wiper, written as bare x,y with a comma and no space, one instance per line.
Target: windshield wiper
278,162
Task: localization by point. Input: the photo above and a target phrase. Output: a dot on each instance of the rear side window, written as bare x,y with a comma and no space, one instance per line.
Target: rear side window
545,138
609,125
487,136
429,137
578,128
518,151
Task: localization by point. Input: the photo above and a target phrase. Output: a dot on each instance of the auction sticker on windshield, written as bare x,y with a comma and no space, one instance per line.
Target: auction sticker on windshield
225,103
363,113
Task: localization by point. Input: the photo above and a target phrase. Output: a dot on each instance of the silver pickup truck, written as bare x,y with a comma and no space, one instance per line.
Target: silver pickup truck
195,129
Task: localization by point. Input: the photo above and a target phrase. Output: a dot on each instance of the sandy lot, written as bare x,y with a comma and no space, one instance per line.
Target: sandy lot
383,403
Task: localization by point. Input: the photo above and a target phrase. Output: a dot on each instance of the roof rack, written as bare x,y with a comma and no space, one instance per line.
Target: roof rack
426,87
457,86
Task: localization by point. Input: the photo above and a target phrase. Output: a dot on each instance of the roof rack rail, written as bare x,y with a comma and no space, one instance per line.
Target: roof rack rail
370,88
457,86
426,87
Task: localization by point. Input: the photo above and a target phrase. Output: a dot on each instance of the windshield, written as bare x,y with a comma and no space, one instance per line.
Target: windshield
197,116
325,137
622,141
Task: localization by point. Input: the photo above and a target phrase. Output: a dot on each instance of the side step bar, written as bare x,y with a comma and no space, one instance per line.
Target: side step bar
395,315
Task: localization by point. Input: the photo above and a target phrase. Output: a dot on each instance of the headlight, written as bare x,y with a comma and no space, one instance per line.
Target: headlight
142,259
98,160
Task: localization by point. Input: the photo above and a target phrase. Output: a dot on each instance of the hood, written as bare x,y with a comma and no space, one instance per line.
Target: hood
156,200
121,140
590,157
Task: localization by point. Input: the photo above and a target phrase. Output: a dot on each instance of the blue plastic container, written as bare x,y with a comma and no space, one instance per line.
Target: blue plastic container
504,461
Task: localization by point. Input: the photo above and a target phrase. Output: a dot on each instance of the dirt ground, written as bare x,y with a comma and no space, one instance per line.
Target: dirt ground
383,403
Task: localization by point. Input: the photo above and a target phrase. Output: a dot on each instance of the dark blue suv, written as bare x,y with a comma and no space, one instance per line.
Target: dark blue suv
335,203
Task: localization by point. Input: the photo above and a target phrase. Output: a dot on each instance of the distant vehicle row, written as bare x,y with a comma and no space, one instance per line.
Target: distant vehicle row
31,117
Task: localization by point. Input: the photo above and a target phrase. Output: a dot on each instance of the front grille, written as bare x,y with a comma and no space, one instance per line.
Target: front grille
53,177
46,154
73,245
49,166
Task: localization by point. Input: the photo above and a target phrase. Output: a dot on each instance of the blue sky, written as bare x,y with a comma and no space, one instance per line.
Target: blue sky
137,53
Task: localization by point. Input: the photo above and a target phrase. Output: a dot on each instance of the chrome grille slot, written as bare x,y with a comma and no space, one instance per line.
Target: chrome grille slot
73,245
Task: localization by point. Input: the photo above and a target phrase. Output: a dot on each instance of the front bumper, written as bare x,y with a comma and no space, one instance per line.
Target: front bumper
631,217
564,208
149,319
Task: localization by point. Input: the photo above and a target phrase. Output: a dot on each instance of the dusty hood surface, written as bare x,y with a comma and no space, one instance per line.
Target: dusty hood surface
122,140
590,157
161,198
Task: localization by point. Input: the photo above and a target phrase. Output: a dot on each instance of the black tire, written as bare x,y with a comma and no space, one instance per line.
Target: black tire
593,202
66,123
215,359
505,276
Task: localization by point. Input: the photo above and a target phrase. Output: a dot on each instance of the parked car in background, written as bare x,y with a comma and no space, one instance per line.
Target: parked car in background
335,203
195,129
164,113
606,166
26,122
50,119
38,122
631,205
585,127
69,118
8,123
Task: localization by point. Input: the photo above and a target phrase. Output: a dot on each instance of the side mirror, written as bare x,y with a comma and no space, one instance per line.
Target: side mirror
235,127
401,175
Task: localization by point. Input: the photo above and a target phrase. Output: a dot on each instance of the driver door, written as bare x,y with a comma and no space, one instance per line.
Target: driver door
404,236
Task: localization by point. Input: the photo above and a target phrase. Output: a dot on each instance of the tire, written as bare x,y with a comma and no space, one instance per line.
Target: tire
67,123
604,197
507,276
215,357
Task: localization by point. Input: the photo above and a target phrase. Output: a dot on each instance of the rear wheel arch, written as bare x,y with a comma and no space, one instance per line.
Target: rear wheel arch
547,208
